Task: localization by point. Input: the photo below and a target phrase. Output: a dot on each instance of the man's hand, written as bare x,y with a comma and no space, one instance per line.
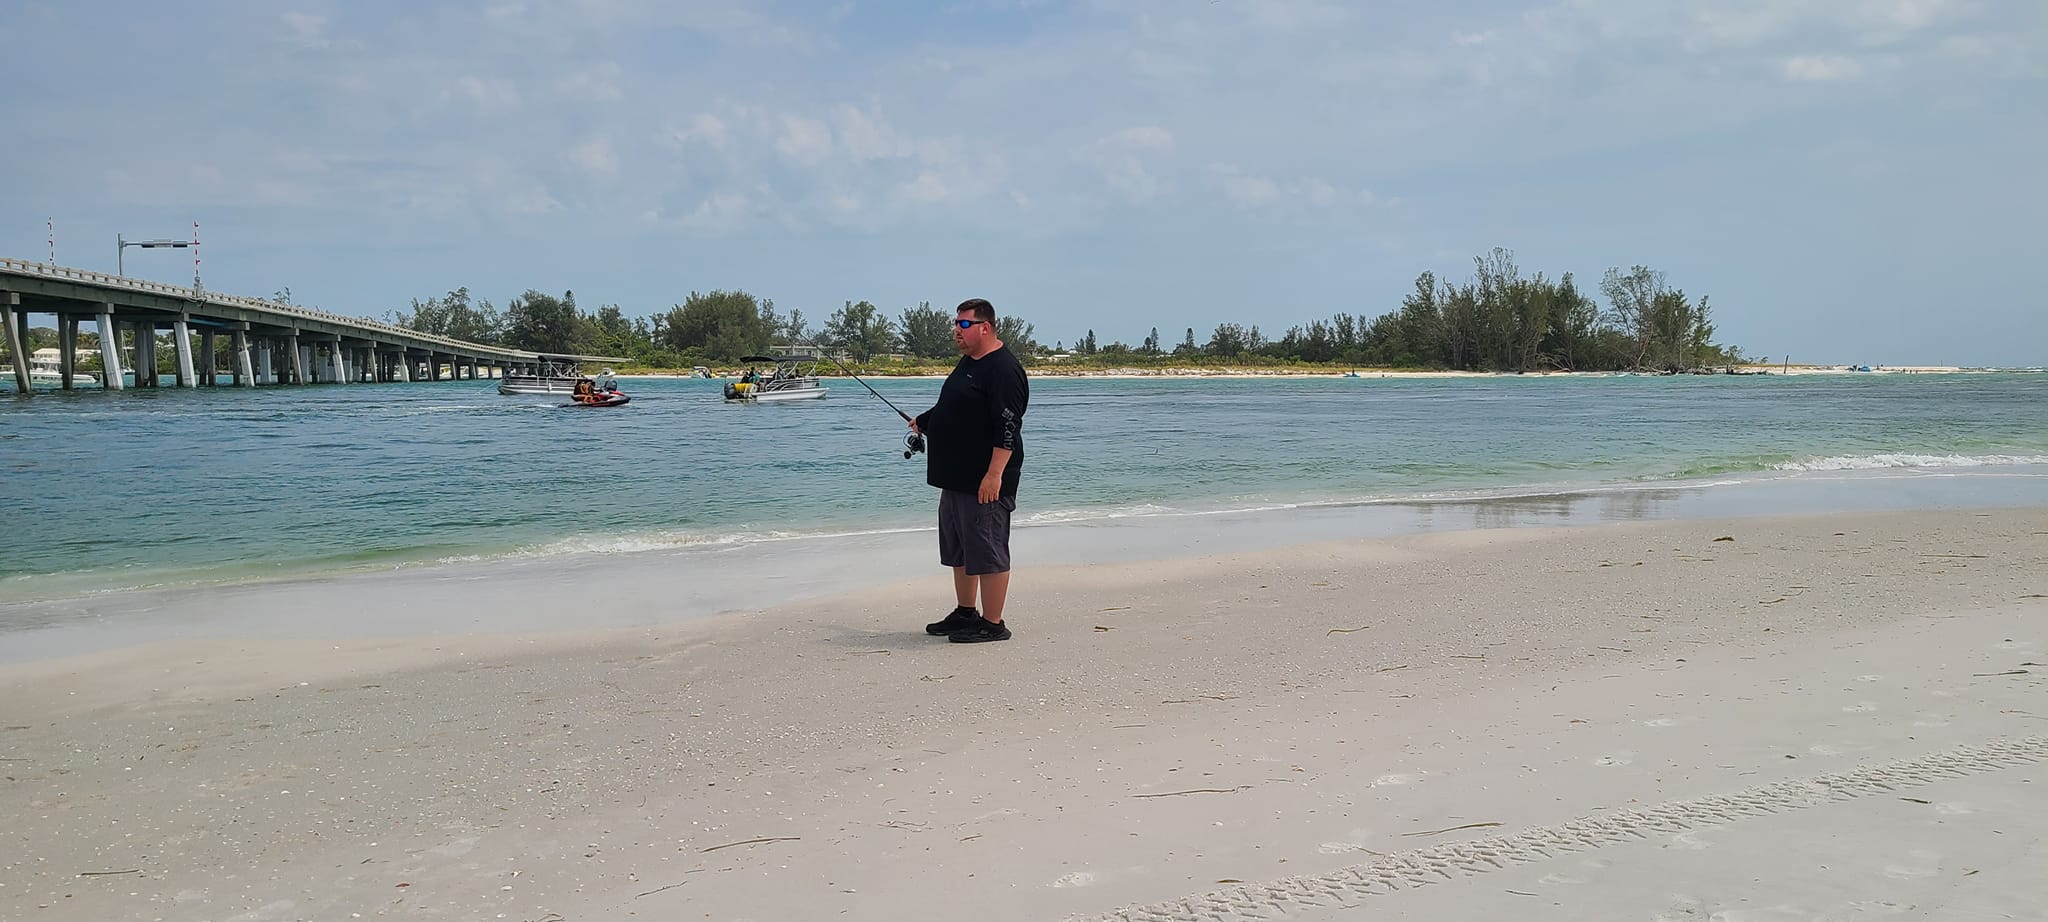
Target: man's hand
991,488
913,426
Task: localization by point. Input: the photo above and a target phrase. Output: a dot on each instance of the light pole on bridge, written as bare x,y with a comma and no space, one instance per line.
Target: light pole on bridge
121,245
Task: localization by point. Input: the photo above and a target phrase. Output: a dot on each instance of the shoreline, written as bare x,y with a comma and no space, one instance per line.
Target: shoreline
1158,730
652,585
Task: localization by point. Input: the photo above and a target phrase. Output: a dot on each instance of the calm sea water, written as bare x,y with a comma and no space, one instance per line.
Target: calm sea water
173,487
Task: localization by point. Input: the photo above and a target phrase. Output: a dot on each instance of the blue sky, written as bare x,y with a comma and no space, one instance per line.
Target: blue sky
1850,180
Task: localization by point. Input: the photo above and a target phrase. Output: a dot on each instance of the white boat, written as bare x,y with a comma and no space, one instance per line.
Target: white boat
791,378
558,375
45,369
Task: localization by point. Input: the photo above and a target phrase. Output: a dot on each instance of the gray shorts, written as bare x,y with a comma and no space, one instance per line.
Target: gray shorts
974,535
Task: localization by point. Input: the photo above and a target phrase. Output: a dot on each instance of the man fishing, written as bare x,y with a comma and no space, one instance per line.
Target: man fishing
976,453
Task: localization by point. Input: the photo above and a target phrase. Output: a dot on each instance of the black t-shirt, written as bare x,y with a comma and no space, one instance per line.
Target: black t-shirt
980,409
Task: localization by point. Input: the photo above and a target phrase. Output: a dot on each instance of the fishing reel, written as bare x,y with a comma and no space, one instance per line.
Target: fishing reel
913,443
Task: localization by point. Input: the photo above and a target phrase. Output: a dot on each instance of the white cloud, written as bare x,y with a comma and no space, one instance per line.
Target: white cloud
597,83
705,127
929,188
1252,192
1121,159
1293,15
597,157
1915,14
307,29
804,140
865,137
1822,67
1243,190
721,212
1064,122
489,95
952,181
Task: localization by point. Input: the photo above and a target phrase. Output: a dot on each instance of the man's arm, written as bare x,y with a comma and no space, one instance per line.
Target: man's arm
992,482
1006,411
1006,407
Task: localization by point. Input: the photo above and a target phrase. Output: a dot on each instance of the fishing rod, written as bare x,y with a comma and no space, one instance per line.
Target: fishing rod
912,443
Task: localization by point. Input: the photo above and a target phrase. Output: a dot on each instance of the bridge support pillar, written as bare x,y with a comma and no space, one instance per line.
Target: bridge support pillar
67,344
16,321
145,353
245,372
209,360
183,334
291,344
110,350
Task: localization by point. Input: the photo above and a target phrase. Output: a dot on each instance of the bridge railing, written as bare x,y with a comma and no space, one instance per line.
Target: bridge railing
46,270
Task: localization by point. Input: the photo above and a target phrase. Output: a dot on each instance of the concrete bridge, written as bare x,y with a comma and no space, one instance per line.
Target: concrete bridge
273,343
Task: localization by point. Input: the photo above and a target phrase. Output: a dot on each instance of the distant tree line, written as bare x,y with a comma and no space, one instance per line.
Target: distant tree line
1495,320
721,326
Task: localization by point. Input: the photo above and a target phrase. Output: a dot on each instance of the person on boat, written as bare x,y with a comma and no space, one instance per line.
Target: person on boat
586,391
976,455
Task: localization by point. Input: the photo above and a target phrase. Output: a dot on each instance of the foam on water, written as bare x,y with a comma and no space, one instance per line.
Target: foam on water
1888,461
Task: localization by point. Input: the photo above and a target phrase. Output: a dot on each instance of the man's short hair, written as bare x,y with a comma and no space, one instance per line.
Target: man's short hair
979,307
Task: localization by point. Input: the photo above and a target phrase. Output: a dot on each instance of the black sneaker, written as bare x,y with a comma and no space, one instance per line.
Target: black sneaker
962,617
981,631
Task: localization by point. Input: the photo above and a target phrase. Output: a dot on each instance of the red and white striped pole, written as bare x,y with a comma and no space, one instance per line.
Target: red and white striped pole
53,240
195,254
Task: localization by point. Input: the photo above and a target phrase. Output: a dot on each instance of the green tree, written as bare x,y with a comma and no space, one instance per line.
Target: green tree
1017,335
861,330
1230,341
1574,318
795,329
544,323
1417,337
721,325
926,331
615,332
1633,308
452,315
1702,339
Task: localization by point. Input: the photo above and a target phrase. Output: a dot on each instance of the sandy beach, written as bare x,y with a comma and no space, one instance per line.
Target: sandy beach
1785,717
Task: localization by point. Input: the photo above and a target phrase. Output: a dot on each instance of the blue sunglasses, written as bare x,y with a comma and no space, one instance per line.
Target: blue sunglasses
968,324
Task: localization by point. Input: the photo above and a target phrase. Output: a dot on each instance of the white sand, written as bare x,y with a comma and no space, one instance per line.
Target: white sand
1835,671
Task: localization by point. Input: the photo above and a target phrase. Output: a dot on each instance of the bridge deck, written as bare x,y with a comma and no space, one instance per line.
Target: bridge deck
317,346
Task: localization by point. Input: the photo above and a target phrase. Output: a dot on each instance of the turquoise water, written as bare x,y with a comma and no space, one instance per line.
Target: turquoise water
173,487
